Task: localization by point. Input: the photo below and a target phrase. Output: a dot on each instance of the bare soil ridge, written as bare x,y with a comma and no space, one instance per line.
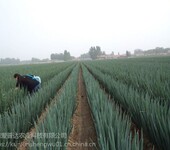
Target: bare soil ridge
83,134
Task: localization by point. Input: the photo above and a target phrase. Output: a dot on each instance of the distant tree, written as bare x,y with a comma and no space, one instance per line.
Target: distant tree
95,51
112,53
92,53
9,61
67,56
138,52
35,60
159,50
57,56
128,54
85,56
52,56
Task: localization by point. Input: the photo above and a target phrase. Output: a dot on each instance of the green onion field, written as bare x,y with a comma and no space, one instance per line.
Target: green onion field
120,104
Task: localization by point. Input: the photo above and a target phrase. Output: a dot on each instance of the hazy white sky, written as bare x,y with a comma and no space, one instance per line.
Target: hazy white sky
37,28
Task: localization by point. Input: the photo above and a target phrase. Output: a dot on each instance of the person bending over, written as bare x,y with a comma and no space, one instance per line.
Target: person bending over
30,83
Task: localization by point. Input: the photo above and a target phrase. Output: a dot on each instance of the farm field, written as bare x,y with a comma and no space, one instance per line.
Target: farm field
121,104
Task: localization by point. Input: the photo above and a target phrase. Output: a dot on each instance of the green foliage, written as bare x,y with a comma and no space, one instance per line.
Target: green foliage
94,52
57,56
9,61
147,75
141,86
9,95
23,114
66,56
113,127
149,114
58,119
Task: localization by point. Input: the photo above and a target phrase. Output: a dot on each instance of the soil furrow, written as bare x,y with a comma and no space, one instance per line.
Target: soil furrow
83,134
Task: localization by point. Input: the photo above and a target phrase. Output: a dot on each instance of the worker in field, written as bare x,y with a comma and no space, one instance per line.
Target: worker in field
28,82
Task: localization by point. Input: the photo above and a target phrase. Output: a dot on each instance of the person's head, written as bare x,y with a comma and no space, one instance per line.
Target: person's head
16,75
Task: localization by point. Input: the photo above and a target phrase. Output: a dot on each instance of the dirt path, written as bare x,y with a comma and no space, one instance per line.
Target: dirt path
83,134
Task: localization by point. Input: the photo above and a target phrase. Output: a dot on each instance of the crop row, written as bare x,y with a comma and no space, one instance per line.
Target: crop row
58,118
22,115
8,94
147,113
113,127
146,76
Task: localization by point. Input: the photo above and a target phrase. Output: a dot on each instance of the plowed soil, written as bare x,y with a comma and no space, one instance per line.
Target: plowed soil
83,134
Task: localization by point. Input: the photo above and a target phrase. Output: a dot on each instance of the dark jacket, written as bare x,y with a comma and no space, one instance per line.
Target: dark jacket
27,83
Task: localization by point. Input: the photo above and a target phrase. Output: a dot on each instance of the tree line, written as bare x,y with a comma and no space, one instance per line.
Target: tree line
62,56
93,53
9,61
157,50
